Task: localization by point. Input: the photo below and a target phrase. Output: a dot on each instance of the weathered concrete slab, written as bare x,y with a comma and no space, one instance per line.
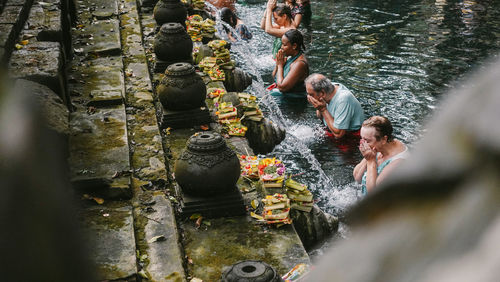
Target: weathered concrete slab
102,74
99,37
110,232
45,22
41,62
7,35
99,152
164,256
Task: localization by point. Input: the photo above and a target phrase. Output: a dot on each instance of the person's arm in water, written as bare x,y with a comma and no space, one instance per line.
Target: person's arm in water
269,7
323,113
297,72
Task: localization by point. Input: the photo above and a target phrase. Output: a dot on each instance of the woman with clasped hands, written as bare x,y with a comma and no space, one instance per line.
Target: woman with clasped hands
381,152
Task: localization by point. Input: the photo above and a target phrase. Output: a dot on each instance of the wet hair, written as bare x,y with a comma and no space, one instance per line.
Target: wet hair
295,37
228,16
319,83
293,2
283,9
382,125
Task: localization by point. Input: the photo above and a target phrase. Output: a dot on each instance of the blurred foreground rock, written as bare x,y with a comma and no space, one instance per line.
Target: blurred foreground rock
40,237
438,217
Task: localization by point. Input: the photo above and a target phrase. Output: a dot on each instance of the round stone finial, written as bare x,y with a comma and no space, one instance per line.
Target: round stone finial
179,69
171,28
206,141
250,270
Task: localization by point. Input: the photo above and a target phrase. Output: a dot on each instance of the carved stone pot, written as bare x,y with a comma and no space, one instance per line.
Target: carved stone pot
173,44
181,88
207,167
250,270
166,11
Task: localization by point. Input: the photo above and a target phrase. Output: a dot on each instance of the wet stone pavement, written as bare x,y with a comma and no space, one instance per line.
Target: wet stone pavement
96,57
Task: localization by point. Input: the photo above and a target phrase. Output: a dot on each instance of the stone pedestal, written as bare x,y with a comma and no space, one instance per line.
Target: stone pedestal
185,119
229,204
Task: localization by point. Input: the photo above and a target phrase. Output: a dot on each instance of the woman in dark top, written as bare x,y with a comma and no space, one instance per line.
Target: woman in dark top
292,67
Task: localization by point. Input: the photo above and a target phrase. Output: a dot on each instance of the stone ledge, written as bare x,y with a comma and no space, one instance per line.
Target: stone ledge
110,230
7,35
41,62
165,257
99,152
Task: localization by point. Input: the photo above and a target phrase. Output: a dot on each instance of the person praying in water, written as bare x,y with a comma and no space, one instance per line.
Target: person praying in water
291,67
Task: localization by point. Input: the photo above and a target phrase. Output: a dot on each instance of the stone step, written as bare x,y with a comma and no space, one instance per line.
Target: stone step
13,14
99,152
110,232
162,259
90,78
99,9
98,38
164,256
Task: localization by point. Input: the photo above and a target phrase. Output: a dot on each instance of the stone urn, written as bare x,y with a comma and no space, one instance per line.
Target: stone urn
181,89
167,11
207,166
173,44
250,270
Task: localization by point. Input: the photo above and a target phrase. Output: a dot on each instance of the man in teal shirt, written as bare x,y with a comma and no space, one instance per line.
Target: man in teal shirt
340,111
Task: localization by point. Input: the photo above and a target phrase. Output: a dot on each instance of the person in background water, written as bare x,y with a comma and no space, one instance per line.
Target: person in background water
381,152
291,66
282,22
335,105
236,23
223,3
300,11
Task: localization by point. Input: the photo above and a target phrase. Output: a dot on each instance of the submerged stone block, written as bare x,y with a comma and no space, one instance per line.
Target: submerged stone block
110,232
41,62
99,153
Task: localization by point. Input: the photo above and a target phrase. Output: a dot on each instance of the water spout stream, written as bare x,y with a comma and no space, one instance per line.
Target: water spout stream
247,60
